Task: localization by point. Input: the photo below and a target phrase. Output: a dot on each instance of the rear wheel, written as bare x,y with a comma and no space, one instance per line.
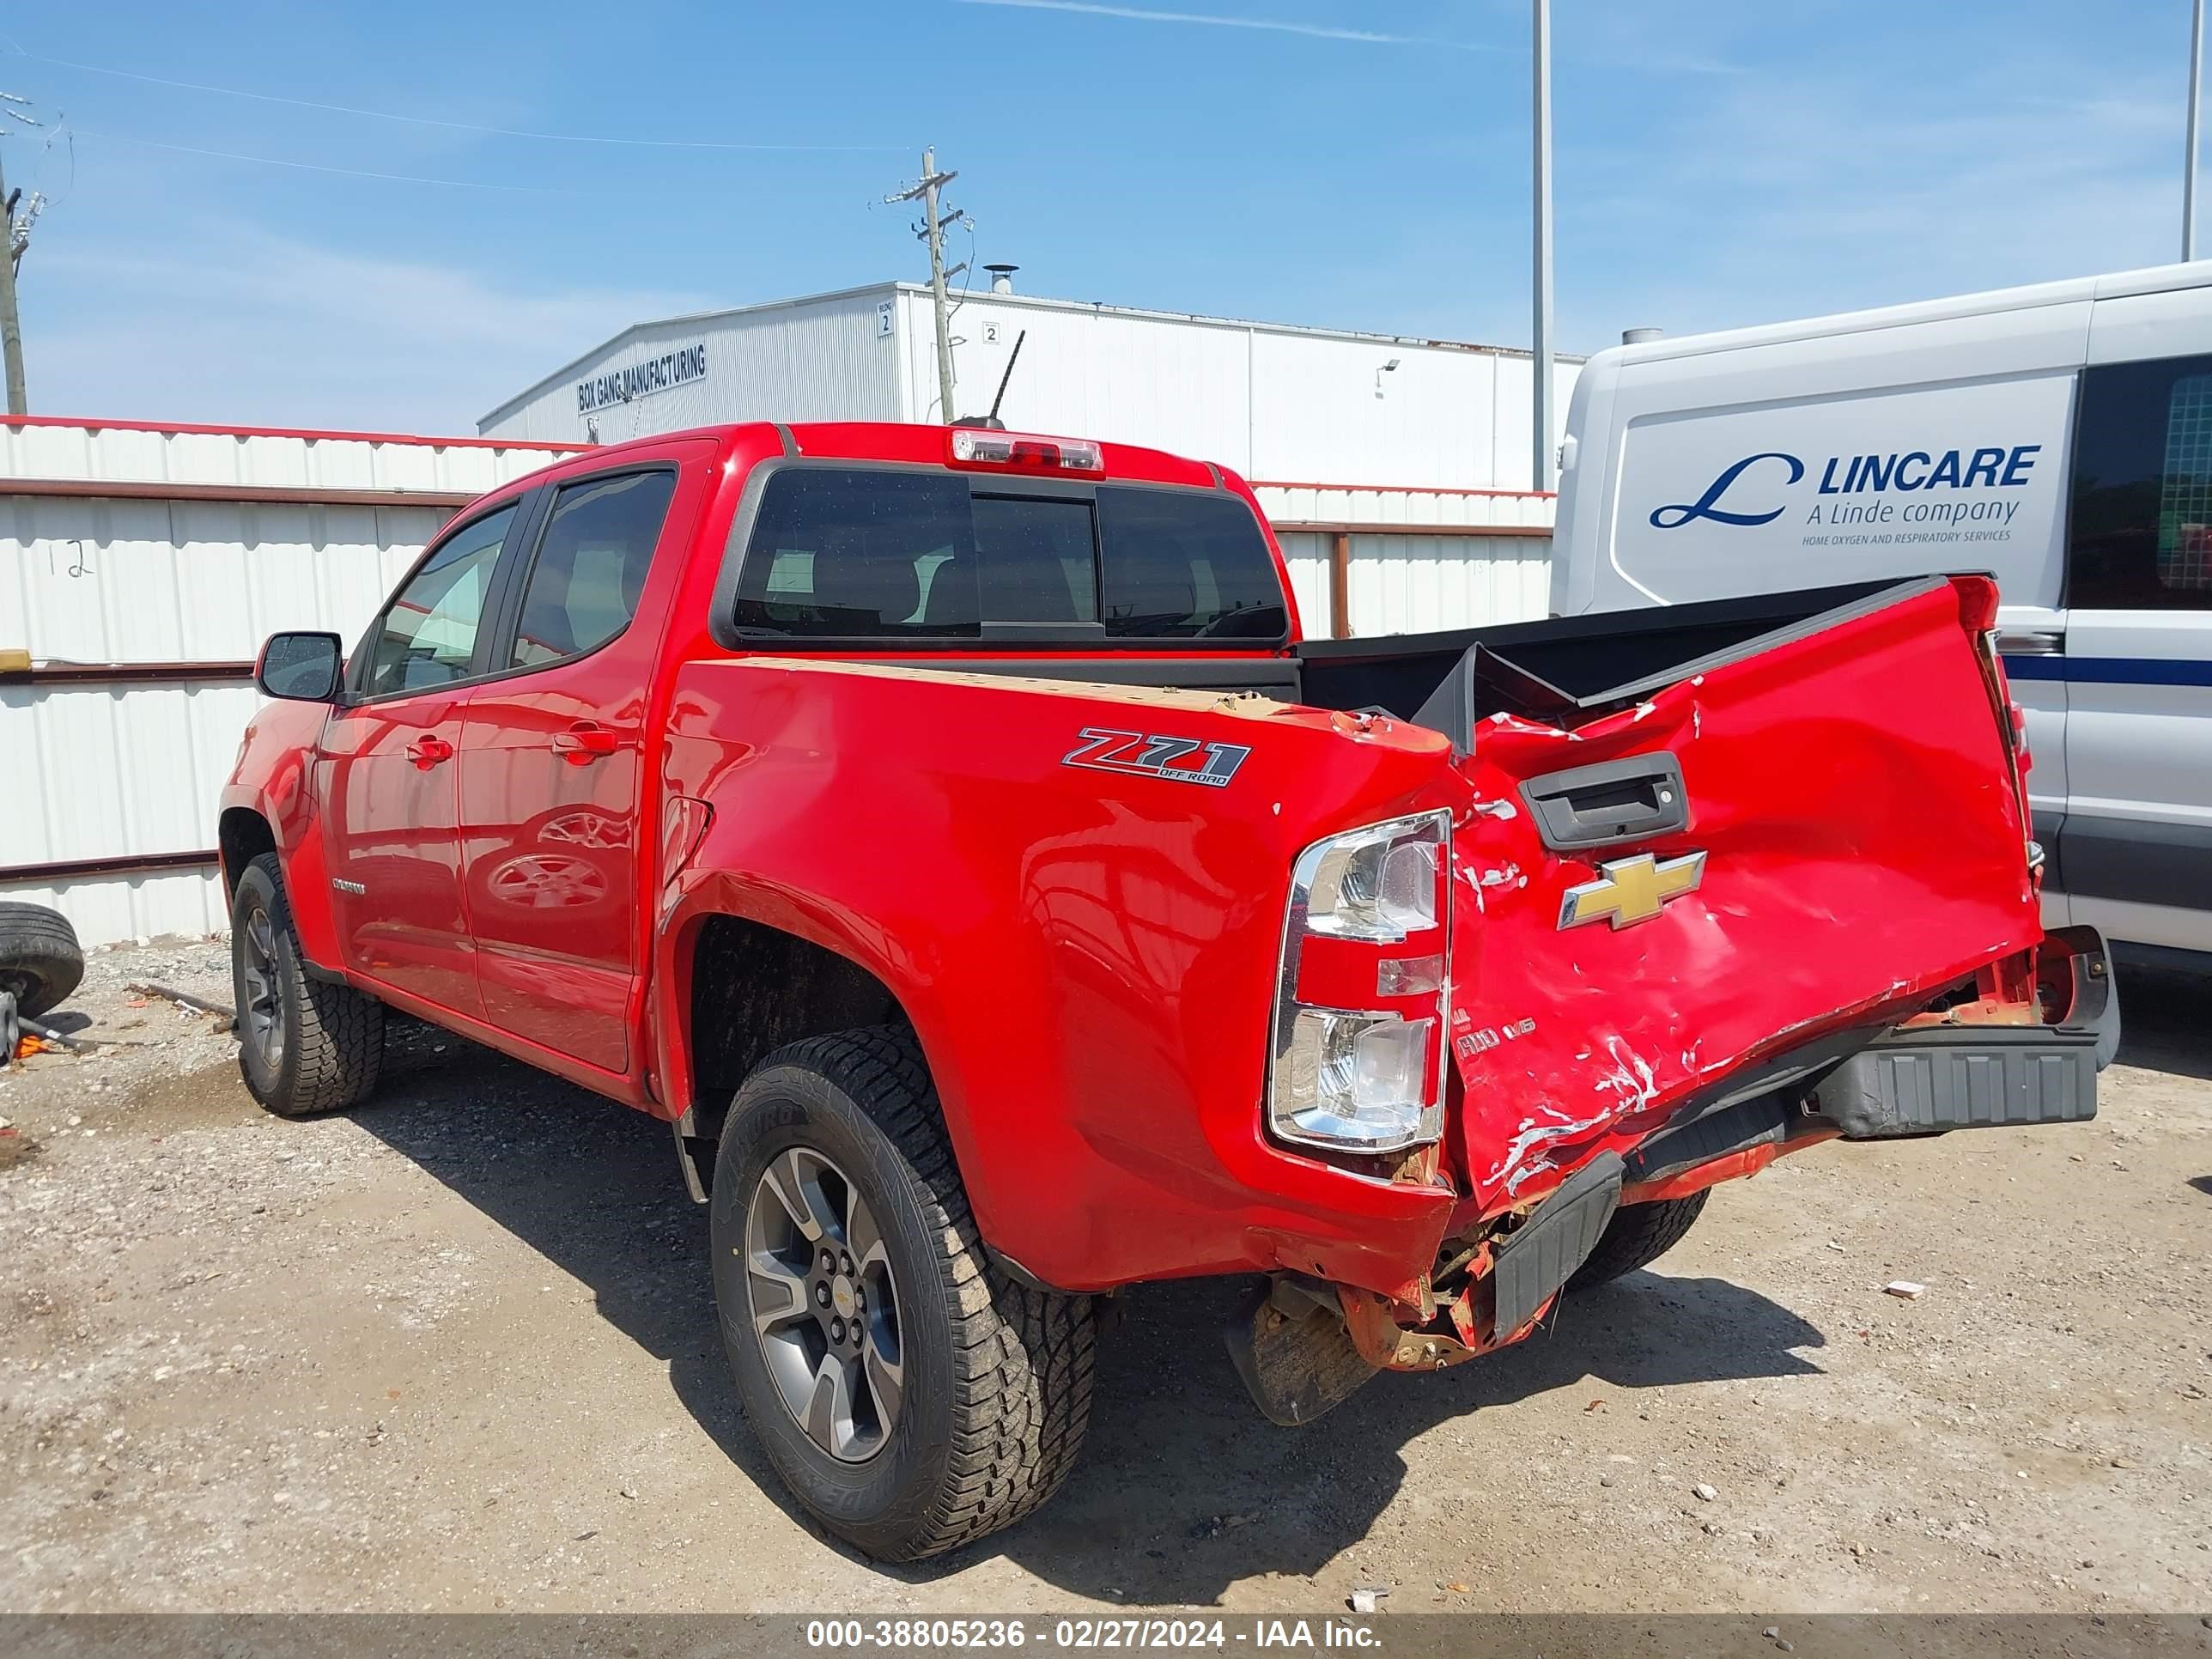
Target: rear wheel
911,1395
40,961
304,1045
1638,1235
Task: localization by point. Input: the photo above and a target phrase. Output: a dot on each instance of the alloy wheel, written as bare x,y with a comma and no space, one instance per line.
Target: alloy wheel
263,1015
825,1305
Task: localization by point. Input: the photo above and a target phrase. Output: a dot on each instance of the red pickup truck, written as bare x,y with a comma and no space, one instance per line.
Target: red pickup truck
950,834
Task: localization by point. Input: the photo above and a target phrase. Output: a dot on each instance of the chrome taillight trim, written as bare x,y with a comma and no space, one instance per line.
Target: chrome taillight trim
1288,960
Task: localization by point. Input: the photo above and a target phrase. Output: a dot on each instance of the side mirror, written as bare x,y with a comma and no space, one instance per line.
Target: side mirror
300,667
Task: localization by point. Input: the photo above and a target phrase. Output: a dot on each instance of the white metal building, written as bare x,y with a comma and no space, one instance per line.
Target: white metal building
1397,471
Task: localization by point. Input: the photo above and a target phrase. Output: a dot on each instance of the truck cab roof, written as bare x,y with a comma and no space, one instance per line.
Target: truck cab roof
902,443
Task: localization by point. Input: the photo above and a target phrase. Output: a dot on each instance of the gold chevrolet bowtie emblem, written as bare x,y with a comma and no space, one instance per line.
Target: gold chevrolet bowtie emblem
1631,890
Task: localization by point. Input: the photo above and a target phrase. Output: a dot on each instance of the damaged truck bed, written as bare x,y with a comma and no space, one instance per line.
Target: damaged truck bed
951,835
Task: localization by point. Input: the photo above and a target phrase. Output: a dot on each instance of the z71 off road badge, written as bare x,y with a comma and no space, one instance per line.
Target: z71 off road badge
1184,760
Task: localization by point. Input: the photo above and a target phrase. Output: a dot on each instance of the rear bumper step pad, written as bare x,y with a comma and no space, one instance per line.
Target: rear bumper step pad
1926,1082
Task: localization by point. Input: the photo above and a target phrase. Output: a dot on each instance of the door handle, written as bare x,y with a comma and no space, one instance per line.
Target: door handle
426,752
1623,800
584,743
2032,641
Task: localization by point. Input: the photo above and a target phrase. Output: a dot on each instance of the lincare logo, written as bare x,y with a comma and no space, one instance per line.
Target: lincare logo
1910,471
1708,506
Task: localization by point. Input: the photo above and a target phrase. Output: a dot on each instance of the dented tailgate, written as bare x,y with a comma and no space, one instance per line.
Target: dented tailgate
1847,841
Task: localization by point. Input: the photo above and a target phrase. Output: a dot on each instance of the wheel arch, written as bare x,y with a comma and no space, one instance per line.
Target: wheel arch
816,967
242,835
277,816
753,987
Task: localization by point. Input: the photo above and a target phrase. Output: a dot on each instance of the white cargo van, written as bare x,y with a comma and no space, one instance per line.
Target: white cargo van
2060,436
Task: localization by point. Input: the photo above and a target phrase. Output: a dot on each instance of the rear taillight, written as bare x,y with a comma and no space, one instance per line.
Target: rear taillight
1359,1012
1025,452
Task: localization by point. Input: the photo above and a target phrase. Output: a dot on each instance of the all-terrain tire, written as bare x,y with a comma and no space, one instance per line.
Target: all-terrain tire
1638,1235
997,1390
330,1045
39,958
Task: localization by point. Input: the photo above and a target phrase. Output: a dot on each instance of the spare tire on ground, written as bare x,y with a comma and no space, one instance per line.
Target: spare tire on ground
41,961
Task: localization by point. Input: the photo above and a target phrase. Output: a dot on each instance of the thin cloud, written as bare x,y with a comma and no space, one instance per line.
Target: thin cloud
241,324
428,120
1211,19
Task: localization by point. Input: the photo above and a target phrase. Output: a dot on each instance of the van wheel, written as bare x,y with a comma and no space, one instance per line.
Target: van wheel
1638,1235
40,961
911,1395
304,1045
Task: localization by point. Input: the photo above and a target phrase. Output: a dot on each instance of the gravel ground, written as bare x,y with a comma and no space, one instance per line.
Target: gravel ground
456,1351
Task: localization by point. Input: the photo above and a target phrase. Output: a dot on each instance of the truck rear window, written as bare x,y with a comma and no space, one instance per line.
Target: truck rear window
867,553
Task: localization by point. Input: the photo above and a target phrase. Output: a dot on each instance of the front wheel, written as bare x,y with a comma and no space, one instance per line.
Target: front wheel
911,1395
304,1045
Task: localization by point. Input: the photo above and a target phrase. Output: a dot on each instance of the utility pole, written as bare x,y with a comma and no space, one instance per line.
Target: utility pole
11,326
2189,163
1541,413
932,231
935,230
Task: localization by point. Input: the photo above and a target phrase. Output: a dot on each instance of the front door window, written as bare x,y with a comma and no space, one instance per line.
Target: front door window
427,637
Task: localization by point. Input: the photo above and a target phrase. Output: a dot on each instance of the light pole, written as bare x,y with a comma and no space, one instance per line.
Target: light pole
2188,162
1541,411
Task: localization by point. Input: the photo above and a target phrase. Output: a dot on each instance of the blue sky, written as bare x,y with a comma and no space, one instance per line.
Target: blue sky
1304,160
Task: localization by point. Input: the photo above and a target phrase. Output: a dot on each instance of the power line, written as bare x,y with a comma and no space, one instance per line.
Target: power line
454,126
317,167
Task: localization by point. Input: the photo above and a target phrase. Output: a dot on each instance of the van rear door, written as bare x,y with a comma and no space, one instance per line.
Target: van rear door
2135,855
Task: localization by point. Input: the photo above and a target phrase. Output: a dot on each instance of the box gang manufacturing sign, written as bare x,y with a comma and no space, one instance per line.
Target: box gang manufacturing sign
618,385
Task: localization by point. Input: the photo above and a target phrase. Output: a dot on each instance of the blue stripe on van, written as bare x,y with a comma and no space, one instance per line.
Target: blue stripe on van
2111,671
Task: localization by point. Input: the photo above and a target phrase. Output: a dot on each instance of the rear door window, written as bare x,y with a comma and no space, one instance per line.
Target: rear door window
590,565
869,553
2140,538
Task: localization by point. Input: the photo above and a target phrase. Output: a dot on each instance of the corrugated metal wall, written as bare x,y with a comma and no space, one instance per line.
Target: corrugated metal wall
1478,510
198,456
1307,553
116,770
1414,585
1424,577
139,582
1403,585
